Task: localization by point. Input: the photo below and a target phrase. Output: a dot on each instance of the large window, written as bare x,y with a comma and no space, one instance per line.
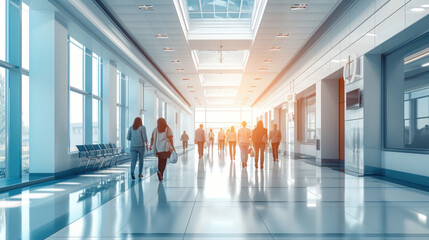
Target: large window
25,125
85,98
122,108
3,30
407,96
307,119
310,118
2,122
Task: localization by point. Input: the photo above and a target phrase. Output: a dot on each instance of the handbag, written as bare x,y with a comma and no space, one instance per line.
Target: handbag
173,157
251,152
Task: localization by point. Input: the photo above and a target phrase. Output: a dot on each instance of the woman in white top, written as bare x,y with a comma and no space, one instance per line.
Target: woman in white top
232,140
162,145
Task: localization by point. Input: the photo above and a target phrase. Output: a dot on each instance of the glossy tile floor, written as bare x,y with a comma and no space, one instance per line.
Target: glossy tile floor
214,198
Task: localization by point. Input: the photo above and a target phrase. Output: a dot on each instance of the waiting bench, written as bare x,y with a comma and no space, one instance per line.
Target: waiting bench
100,154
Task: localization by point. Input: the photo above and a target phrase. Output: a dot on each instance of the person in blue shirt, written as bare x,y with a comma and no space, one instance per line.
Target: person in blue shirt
137,136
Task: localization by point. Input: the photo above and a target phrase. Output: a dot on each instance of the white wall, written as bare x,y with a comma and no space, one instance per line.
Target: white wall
366,27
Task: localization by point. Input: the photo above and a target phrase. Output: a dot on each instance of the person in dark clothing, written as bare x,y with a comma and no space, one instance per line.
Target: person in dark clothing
259,139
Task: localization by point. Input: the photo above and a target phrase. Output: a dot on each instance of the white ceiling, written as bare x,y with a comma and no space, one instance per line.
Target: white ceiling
277,17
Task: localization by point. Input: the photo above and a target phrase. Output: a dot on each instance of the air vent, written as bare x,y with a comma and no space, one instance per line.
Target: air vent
189,86
275,48
268,61
282,35
263,69
258,79
168,49
180,69
299,6
185,79
146,7
175,61
161,35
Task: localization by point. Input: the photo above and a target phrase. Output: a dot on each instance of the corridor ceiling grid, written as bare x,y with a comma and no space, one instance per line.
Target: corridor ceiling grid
221,53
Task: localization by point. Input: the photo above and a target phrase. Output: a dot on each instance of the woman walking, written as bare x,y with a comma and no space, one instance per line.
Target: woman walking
137,136
259,139
232,141
244,136
162,145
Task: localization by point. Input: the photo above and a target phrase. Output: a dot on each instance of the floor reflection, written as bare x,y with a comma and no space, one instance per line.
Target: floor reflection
214,197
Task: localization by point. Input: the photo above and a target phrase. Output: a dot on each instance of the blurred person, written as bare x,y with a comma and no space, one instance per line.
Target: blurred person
138,143
244,136
211,139
259,140
200,139
221,140
275,138
184,138
232,141
162,145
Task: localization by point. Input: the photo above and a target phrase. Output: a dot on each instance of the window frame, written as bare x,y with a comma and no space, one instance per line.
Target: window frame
384,81
88,96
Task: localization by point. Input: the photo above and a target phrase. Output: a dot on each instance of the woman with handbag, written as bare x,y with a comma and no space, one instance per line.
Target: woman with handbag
137,136
162,145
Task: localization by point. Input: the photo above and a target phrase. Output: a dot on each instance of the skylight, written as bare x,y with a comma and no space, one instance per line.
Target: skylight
220,9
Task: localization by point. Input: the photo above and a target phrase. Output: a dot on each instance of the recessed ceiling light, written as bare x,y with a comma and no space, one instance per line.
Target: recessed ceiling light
371,35
258,79
190,86
263,69
282,35
417,9
299,6
425,6
252,86
175,61
180,69
192,91
268,61
168,49
250,91
161,35
185,79
425,64
275,48
146,7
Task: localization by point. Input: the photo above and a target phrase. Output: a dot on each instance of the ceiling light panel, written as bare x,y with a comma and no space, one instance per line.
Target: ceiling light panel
282,35
168,49
146,7
161,35
299,6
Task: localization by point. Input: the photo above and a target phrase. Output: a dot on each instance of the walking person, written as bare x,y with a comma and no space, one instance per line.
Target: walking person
275,138
211,139
137,136
184,138
244,136
232,141
226,139
259,139
162,145
221,140
200,139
